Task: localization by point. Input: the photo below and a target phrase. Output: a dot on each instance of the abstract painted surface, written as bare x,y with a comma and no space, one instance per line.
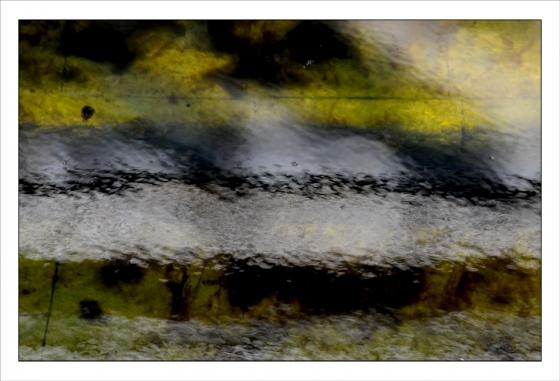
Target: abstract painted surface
280,190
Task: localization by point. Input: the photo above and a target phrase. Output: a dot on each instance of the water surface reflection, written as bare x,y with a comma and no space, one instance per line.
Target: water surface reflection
281,190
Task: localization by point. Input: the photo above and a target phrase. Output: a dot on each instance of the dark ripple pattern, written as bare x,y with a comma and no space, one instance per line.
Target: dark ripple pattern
474,190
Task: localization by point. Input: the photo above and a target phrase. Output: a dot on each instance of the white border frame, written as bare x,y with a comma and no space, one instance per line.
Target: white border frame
11,369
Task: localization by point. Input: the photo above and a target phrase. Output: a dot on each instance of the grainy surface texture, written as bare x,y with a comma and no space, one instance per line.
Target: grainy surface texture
280,190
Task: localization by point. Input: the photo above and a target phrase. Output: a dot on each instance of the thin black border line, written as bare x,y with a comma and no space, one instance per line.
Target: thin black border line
261,19
298,361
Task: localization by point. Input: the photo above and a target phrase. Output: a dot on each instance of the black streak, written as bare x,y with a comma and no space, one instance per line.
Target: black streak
53,286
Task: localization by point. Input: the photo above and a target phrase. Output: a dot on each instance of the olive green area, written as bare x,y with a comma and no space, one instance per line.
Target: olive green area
480,308
495,283
120,288
221,289
443,76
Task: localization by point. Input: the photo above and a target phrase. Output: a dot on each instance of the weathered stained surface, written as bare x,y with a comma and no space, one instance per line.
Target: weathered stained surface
240,286
280,190
225,292
423,76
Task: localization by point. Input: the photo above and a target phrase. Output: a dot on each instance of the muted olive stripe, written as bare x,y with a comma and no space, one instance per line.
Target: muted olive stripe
225,287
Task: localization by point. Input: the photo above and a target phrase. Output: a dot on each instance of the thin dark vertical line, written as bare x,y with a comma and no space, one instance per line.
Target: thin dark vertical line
53,286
